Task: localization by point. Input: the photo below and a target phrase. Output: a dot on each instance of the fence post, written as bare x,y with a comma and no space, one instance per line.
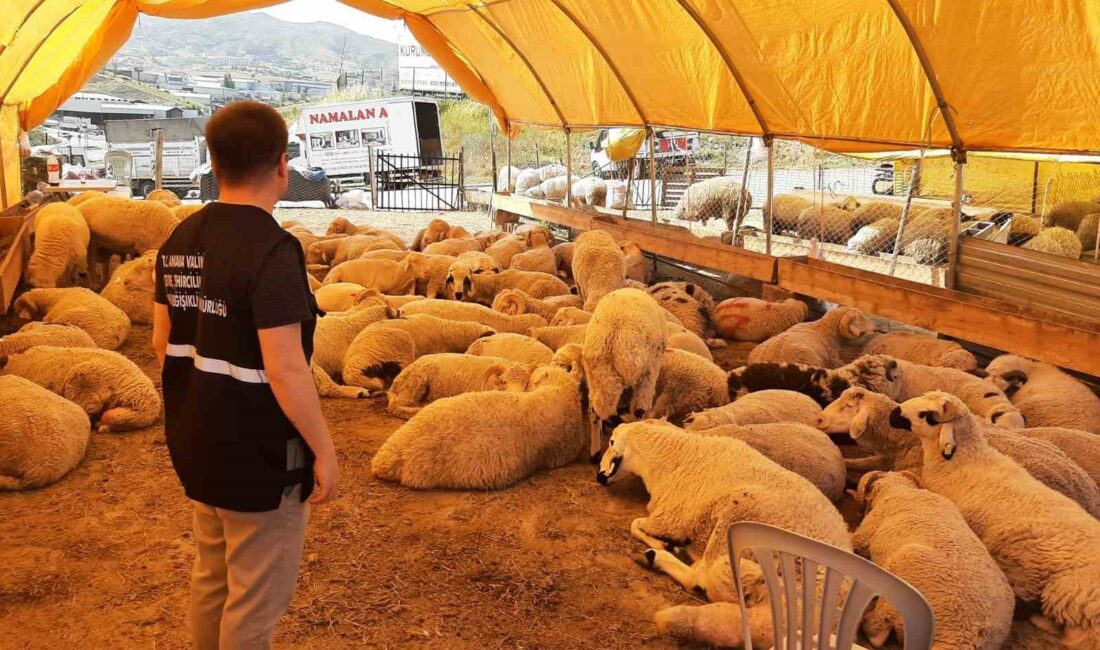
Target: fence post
914,182
372,168
956,217
508,154
653,176
629,182
770,143
461,177
492,147
568,168
538,163
160,159
741,196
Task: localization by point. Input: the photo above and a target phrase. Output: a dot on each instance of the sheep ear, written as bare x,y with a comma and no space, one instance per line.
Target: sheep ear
493,376
467,285
859,424
865,490
948,409
947,440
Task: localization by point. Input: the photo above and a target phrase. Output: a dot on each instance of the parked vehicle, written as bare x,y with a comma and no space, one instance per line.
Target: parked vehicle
673,148
883,183
184,150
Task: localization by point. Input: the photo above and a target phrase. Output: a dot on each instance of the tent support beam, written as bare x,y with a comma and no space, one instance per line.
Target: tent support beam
734,72
607,59
652,179
953,240
771,196
522,57
958,151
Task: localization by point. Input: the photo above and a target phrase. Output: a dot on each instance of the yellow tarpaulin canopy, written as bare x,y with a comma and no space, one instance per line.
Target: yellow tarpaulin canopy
847,75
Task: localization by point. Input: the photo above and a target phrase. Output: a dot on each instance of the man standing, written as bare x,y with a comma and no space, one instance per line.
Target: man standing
233,330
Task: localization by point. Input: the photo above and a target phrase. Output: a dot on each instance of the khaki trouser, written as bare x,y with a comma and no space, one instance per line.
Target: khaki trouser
245,571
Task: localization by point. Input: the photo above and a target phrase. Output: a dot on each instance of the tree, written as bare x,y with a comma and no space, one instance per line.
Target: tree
228,82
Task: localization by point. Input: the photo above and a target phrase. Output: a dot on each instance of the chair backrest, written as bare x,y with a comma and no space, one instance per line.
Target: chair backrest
120,164
817,612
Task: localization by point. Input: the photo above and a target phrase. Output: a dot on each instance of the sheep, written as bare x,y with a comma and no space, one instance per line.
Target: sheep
377,297
506,179
106,324
536,259
166,197
925,235
182,212
1070,214
108,386
455,283
126,227
35,333
570,316
925,350
478,262
865,416
1086,232
527,179
1047,545
820,384
714,198
874,238
515,302
305,237
535,235
435,231
453,247
922,538
60,254
514,347
433,283
1080,446
331,338
563,255
338,296
1045,396
557,337
487,440
678,337
1061,242
751,319
132,287
490,237
689,303
553,170
638,267
503,250
622,349
785,211
764,407
831,224
341,225
698,486
551,189
85,196
383,349
687,383
398,278
1025,225
485,287
386,254
45,435
816,343
599,266
464,311
337,251
589,192
435,376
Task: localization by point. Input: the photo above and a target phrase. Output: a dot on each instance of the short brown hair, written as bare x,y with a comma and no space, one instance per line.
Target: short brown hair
245,138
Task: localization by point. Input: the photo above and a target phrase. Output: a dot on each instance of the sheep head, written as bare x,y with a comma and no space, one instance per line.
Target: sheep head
510,301
629,247
872,483
458,283
617,462
339,225
875,372
417,265
853,324
569,357
933,417
510,377
1009,372
848,414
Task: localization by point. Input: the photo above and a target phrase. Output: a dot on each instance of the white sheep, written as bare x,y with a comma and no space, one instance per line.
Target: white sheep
764,407
106,324
35,333
638,266
689,303
382,350
45,435
503,250
337,251
377,297
1047,545
342,225
563,254
1069,214
182,212
925,350
567,316
1046,396
435,376
1082,447
553,170
536,259
506,179
589,192
60,256
485,287
515,302
435,231
85,196
751,319
465,311
687,383
514,347
714,198
527,179
1061,242
622,349
487,440
556,337
389,277
785,210
599,266
338,296
829,223
108,386
453,247
816,343
922,538
132,288
698,486
126,227
434,282
331,338
166,197
874,238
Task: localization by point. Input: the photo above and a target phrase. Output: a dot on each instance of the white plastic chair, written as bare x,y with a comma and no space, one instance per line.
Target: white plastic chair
786,592
120,164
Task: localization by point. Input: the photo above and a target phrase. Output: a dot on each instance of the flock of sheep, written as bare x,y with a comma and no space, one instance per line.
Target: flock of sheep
509,353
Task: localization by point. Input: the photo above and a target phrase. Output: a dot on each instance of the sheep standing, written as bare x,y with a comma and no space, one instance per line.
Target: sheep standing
35,333
764,407
45,435
920,537
484,288
785,209
1047,545
126,227
389,277
1086,232
487,441
925,350
503,250
698,486
106,324
338,296
751,319
465,311
453,247
687,383
132,288
515,302
623,348
556,337
435,231
563,255
436,376
638,267
714,198
1080,446
506,179
1046,396
1070,214
527,179
514,347
536,259
331,338
60,254
589,192
107,385
341,249
599,266
1061,242
816,343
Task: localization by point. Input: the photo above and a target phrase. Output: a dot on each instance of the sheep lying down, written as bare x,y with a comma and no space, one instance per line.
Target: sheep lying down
44,437
436,376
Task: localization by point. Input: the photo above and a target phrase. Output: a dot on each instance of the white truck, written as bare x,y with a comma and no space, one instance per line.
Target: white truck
184,150
340,138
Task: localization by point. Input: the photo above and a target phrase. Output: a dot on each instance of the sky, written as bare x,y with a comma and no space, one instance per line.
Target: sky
331,11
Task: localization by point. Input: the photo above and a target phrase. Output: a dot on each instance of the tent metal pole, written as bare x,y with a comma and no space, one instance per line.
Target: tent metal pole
508,155
771,196
956,218
160,159
653,176
568,168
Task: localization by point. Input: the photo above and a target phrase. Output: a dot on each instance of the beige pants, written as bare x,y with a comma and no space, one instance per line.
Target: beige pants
245,571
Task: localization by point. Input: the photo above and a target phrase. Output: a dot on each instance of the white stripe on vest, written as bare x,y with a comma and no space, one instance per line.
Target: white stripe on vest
217,366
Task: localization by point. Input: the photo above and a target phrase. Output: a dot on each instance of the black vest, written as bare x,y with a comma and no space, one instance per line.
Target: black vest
226,433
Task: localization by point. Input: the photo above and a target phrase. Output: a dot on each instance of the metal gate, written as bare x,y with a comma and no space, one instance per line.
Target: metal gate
422,183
